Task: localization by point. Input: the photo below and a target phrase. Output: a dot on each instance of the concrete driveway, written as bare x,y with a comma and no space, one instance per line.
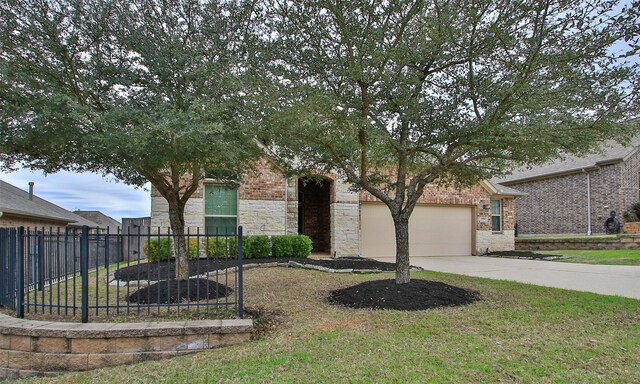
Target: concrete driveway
604,279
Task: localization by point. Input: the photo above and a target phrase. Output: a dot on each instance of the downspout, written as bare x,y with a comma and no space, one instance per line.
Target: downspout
588,204
286,205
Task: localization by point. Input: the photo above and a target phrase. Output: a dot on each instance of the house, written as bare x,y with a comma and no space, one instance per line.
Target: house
22,208
575,195
104,222
341,222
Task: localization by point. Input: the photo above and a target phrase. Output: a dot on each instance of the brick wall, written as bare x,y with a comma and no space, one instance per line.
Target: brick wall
559,205
10,221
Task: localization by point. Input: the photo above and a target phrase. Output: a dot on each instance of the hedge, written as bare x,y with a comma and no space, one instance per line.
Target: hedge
216,247
291,246
166,249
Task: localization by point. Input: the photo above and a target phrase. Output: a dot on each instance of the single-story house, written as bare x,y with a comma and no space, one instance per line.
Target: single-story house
104,222
24,208
341,222
575,195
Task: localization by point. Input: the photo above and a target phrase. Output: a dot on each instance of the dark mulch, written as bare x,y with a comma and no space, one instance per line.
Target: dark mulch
166,270
415,296
177,291
522,255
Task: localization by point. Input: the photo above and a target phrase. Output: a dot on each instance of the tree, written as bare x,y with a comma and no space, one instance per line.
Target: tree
145,90
400,94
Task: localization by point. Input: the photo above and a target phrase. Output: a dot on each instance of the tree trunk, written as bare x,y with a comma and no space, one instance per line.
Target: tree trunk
401,225
176,220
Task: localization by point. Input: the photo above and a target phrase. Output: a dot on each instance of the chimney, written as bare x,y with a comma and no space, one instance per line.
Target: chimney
31,190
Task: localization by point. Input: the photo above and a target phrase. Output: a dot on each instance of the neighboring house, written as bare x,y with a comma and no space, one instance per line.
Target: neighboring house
341,222
576,195
104,222
22,208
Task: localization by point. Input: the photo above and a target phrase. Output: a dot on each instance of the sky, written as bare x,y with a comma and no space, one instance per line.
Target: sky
85,191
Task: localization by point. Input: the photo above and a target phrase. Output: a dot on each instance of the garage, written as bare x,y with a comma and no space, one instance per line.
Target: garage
433,231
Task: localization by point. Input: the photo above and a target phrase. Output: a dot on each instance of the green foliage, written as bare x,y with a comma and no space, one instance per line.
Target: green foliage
163,249
256,246
219,247
158,249
291,246
281,246
632,214
301,245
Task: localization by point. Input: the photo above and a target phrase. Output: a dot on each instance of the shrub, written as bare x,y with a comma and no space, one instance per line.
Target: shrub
218,246
281,246
256,246
158,249
162,249
291,246
301,245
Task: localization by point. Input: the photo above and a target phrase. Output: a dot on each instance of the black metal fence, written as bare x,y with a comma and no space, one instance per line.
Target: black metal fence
79,273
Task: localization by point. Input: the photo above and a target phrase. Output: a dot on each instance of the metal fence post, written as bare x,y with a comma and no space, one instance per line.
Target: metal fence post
240,291
20,274
40,259
84,272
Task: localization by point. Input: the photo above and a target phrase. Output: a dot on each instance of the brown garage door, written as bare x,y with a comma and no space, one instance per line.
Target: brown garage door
433,231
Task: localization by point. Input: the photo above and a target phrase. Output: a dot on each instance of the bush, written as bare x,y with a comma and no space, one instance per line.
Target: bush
301,245
256,246
218,246
291,246
158,249
164,251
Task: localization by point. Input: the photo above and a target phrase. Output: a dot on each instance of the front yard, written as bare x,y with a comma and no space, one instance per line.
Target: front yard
517,333
604,257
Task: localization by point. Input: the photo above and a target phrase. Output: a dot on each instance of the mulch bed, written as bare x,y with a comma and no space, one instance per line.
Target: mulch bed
414,296
523,255
166,270
177,291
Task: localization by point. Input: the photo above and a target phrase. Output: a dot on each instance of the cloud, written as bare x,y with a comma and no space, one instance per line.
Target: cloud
85,191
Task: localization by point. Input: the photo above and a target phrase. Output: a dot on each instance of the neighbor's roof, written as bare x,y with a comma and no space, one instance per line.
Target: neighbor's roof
103,220
15,201
501,190
611,152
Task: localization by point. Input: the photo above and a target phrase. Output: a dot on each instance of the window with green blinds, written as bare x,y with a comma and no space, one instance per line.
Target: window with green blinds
496,215
220,209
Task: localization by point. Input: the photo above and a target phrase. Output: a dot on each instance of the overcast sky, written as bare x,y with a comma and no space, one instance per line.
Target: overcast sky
84,191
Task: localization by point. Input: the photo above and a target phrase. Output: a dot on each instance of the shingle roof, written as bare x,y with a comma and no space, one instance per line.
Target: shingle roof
103,220
611,152
14,200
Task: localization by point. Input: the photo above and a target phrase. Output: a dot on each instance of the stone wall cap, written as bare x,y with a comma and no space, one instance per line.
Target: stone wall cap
12,326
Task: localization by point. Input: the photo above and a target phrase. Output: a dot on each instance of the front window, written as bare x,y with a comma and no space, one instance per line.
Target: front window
220,209
496,215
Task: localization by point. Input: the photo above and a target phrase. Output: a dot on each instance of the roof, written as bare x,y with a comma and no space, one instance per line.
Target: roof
611,153
103,220
15,201
501,190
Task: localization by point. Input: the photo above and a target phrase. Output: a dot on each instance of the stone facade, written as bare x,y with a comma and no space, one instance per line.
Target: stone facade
563,204
268,203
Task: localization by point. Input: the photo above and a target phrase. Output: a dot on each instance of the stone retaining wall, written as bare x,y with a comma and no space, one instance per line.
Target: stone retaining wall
30,347
620,242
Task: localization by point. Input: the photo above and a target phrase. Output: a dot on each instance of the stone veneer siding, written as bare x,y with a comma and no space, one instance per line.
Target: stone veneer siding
268,204
32,348
559,205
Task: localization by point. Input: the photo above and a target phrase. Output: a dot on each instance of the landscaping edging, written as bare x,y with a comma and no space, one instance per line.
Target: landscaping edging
623,241
36,348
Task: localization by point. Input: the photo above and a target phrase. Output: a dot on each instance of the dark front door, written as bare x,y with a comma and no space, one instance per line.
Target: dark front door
314,215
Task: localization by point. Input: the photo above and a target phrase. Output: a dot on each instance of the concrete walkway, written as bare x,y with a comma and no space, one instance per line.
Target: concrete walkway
604,279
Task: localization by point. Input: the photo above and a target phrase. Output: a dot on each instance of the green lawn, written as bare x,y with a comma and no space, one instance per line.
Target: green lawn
517,334
606,257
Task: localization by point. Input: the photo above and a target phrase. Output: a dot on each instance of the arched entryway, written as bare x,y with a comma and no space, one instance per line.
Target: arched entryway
314,212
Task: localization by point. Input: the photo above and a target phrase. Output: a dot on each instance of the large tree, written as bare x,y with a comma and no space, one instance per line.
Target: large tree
400,94
146,90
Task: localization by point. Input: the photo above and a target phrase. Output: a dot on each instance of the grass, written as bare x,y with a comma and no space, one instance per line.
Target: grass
604,257
518,334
